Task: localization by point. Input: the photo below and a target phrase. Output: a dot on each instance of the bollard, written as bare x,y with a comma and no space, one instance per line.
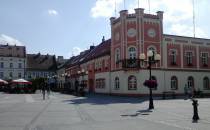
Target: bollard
195,110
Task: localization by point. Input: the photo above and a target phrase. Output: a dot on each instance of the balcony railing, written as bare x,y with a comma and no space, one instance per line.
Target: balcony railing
131,63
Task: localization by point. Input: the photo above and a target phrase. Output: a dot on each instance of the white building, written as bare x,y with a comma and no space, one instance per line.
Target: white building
12,61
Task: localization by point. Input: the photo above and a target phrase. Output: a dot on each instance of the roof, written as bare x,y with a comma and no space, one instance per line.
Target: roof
169,35
102,49
41,62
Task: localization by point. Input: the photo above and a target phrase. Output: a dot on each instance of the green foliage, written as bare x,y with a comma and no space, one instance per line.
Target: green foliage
36,83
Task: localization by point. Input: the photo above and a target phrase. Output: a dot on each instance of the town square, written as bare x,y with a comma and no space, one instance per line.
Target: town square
104,64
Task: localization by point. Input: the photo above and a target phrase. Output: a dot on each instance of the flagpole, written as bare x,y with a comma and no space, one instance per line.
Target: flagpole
149,5
124,4
193,18
115,10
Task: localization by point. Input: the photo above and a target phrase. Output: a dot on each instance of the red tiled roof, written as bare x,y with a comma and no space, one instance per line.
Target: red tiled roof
102,49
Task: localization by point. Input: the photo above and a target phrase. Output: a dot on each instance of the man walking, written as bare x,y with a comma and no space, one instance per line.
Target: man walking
43,90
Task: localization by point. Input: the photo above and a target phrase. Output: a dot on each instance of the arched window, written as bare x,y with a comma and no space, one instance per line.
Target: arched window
132,83
117,55
153,49
206,83
117,83
132,53
190,82
174,83
173,55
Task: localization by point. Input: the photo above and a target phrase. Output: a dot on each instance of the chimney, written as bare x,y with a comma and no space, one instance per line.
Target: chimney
103,39
160,14
92,47
123,13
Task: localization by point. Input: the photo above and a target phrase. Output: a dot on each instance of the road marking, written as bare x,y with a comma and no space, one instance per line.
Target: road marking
29,98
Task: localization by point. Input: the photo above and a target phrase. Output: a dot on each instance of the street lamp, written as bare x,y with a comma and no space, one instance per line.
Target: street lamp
152,58
82,73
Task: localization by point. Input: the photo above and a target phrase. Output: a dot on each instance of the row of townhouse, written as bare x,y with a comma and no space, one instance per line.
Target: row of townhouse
114,66
15,63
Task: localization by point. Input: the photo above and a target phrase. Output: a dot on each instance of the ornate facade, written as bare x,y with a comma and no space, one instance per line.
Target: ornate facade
184,60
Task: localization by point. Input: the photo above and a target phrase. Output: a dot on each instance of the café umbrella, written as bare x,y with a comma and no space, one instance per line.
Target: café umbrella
3,82
21,81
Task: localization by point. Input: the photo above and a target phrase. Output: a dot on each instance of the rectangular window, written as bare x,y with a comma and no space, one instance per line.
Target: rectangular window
2,65
173,54
10,74
11,65
19,65
29,75
2,75
204,58
100,83
189,58
19,75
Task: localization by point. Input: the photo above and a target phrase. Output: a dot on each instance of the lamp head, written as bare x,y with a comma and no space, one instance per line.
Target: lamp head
150,53
142,56
157,57
83,70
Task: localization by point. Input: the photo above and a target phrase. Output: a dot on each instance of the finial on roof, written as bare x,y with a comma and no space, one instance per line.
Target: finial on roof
103,39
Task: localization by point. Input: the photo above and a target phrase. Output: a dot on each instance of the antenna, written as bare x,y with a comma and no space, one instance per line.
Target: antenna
124,4
149,5
115,8
193,18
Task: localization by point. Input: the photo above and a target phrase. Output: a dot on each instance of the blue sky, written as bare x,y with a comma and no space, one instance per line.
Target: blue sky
65,27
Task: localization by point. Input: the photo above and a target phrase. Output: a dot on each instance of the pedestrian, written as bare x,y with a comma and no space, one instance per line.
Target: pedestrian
48,90
43,90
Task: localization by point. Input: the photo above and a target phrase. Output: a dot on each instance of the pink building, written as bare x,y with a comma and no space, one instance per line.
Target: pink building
184,60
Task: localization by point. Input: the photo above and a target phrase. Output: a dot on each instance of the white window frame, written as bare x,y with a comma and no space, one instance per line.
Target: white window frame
206,84
132,82
204,58
117,83
174,83
189,57
190,83
173,54
117,55
132,54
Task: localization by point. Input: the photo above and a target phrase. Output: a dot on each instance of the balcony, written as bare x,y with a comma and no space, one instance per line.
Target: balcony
131,63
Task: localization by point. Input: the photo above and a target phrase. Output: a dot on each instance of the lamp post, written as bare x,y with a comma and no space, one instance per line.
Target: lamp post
82,73
152,58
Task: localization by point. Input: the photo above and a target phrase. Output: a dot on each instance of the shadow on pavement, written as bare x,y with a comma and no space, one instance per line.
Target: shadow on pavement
105,99
140,112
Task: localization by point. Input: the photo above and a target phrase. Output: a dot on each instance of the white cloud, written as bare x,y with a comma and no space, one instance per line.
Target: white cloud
178,15
5,39
52,12
76,51
104,8
186,30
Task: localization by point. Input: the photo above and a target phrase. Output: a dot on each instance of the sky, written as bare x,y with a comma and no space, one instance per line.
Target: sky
66,27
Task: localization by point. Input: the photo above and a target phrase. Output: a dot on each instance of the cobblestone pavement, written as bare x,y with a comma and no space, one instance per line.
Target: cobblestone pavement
98,112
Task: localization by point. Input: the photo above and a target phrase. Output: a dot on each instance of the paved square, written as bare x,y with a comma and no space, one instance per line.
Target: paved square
98,112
